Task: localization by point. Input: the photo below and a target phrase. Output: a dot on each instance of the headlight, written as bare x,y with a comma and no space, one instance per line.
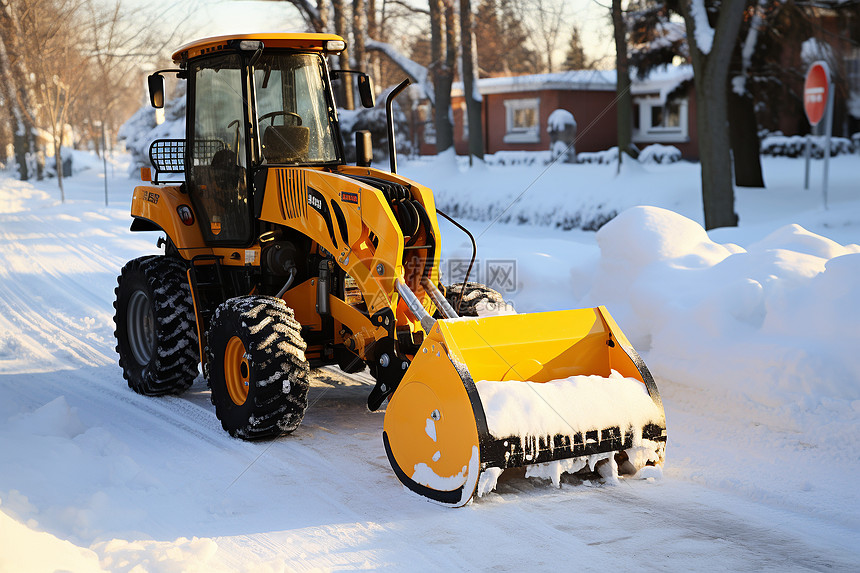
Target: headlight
250,45
335,45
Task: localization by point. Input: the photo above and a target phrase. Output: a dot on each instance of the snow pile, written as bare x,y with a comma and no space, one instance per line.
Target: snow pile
776,321
570,406
24,549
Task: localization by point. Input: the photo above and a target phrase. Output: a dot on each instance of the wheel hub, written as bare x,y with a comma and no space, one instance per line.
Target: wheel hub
141,327
236,371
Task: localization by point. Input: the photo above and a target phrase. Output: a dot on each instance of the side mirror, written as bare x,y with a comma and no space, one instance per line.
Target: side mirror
365,91
156,90
363,148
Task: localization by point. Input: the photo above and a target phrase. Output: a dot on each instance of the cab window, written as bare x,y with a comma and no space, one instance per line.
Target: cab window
218,159
292,110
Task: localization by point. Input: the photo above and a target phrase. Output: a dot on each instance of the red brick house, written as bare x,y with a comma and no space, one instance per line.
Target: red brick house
515,111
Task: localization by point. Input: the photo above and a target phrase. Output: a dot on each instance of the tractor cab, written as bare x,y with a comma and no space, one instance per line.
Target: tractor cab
253,102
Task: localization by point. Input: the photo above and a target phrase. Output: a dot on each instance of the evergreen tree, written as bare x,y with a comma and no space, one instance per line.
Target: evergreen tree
501,41
575,58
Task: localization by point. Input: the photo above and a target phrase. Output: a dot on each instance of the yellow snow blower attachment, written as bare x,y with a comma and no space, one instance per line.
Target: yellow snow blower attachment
557,391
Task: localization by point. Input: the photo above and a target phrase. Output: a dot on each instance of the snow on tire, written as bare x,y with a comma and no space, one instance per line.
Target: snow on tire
156,331
473,295
257,368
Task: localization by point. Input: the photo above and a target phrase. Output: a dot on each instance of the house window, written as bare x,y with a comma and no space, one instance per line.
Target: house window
522,120
425,116
658,121
430,132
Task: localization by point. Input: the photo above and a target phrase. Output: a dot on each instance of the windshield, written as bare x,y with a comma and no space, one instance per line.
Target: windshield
292,110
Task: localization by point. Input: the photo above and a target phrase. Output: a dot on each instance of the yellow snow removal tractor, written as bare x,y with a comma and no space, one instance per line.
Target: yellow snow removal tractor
279,257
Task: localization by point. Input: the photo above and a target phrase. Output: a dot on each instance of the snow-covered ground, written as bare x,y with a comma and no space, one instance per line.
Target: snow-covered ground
750,333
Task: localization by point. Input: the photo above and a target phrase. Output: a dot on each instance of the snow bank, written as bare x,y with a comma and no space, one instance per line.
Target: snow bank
776,322
24,549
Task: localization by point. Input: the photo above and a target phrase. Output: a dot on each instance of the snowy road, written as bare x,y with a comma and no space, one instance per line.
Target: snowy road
157,483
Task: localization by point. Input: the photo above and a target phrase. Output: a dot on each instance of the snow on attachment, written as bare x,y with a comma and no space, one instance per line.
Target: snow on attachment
568,406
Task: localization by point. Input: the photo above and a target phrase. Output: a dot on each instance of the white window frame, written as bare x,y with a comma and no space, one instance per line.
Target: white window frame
658,133
520,135
464,114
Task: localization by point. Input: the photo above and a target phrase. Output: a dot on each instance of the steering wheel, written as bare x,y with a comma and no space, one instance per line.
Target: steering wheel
271,115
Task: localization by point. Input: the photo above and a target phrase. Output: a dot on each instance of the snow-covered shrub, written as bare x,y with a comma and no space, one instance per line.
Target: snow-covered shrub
607,157
374,121
657,153
511,158
778,145
142,128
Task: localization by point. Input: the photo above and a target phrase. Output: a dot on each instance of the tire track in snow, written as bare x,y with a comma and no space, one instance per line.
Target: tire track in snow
43,282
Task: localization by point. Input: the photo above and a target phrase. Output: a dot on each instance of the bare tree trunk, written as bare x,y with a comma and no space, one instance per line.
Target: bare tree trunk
321,23
373,33
345,88
17,121
18,93
711,71
442,76
746,148
58,164
624,101
470,87
359,29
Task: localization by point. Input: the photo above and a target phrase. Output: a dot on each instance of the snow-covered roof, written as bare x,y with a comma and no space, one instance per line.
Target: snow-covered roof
660,81
587,80
590,80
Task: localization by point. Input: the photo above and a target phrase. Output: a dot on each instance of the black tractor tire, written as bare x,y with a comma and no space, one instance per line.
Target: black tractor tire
472,295
258,373
156,332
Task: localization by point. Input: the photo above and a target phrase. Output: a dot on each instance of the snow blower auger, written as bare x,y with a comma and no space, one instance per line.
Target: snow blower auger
279,257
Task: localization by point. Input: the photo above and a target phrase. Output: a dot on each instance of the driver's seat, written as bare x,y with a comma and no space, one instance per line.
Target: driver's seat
286,143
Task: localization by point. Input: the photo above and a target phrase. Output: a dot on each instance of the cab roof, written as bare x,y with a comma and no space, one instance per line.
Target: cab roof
298,41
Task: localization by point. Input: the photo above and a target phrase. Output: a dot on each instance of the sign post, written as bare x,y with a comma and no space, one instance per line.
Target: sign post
818,99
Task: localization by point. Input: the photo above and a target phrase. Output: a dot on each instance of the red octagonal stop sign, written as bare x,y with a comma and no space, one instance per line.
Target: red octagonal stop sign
815,92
